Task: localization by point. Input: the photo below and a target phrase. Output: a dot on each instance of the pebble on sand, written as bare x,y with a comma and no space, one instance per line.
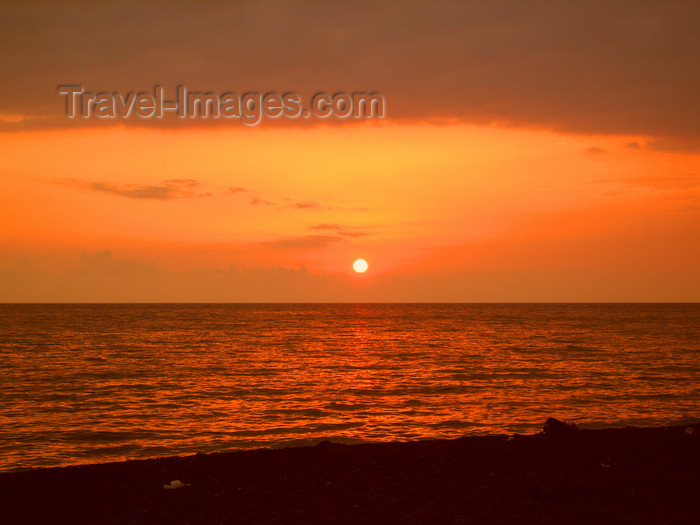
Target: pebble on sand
176,484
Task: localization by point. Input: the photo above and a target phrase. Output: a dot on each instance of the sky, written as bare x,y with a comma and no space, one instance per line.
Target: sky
531,151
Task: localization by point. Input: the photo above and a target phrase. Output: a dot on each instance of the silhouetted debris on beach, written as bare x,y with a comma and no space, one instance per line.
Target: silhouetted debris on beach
623,475
554,427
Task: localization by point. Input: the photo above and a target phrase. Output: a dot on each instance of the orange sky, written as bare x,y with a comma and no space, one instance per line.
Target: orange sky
471,200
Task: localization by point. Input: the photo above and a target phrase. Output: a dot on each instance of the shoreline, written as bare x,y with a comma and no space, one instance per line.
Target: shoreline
612,475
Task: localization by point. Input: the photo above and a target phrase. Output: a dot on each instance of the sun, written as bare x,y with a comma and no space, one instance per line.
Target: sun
360,266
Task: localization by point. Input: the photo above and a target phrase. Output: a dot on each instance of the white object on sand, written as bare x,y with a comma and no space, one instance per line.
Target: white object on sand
176,484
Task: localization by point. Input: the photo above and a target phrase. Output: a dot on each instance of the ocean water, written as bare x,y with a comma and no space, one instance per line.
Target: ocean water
97,383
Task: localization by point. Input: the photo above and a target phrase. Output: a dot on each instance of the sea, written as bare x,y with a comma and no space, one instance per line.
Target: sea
94,383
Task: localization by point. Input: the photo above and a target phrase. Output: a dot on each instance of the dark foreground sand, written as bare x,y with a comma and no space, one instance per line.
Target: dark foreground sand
631,475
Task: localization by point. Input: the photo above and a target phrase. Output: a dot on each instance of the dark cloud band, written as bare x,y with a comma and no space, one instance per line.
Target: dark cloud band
585,67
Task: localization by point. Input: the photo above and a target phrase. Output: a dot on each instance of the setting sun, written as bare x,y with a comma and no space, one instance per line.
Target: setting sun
360,266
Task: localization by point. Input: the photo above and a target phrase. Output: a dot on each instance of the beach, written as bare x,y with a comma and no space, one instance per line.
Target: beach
615,475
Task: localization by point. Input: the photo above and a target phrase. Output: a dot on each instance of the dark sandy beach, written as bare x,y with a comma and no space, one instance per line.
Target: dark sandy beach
628,475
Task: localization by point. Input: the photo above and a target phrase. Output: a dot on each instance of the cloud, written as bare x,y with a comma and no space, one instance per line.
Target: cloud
353,234
310,205
168,190
326,227
595,150
305,242
593,67
257,201
339,229
233,191
104,263
306,205
103,277
661,182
